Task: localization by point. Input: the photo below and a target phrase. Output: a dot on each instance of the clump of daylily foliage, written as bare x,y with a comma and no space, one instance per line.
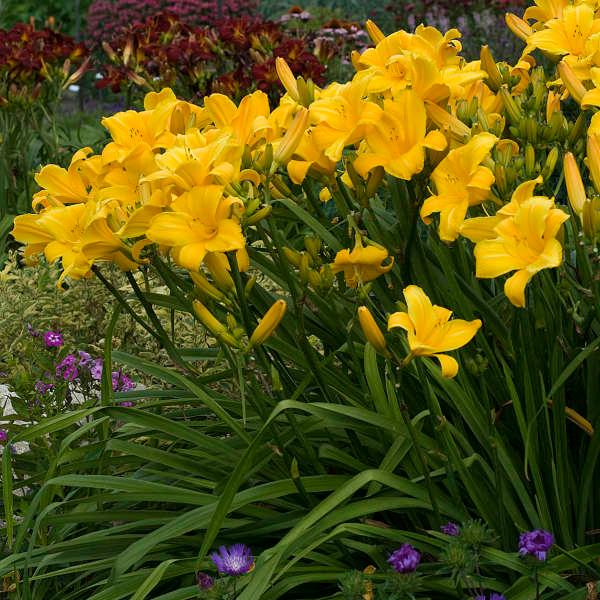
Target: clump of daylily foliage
398,278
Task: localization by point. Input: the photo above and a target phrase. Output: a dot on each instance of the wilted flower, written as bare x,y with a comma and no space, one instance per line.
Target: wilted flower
235,560
3,436
493,596
53,339
536,543
406,559
450,528
127,404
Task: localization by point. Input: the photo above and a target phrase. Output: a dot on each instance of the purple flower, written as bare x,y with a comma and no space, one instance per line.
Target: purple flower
53,339
96,369
205,581
127,403
121,382
235,560
450,528
84,358
32,332
43,388
67,368
536,543
493,596
3,436
406,559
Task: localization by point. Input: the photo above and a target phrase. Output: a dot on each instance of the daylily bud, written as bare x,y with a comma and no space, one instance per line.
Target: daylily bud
578,130
127,51
292,138
78,74
259,215
249,285
590,217
518,26
315,279
488,64
109,52
287,78
552,104
593,160
371,330
575,188
304,267
313,246
529,161
513,110
374,32
292,256
268,323
206,287
572,83
447,122
208,319
550,164
217,265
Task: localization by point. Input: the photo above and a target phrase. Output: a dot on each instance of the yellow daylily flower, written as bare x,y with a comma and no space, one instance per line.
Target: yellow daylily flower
460,182
248,122
398,140
571,33
362,264
430,330
525,243
308,156
66,186
342,115
200,222
483,228
545,10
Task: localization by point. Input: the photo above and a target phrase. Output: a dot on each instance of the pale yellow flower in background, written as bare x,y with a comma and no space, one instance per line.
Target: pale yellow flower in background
430,330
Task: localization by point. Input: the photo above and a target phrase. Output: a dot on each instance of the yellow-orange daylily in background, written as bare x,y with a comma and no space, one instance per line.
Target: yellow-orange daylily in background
460,182
430,330
526,243
362,264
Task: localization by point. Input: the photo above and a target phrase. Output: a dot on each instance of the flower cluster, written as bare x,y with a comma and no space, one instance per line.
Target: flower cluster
30,57
232,56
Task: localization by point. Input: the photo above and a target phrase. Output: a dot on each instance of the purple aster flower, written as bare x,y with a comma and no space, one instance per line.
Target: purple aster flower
205,581
493,596
235,560
3,436
121,382
127,403
53,339
43,388
536,543
406,559
450,528
67,368
96,369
